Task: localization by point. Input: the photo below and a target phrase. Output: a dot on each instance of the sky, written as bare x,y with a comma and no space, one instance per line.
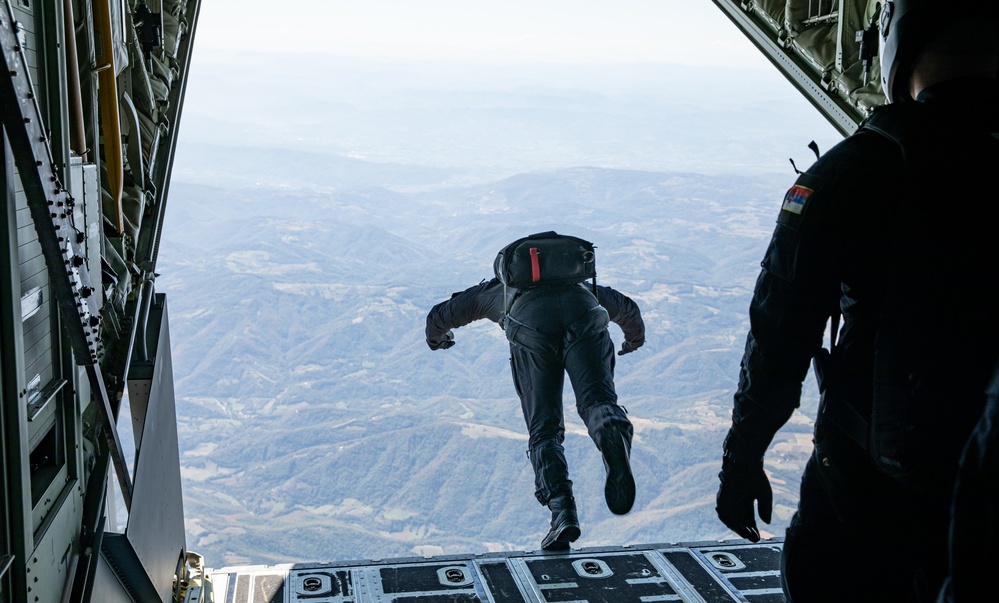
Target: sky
394,80
689,32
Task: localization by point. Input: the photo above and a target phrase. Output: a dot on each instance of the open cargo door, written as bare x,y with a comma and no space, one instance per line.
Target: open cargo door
826,48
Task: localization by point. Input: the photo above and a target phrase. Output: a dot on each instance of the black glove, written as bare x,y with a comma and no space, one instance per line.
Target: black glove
741,484
630,346
441,343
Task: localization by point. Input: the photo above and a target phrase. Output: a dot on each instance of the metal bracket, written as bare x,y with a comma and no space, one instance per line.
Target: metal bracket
43,400
5,562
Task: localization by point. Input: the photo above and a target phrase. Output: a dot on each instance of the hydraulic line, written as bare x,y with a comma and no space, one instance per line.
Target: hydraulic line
108,98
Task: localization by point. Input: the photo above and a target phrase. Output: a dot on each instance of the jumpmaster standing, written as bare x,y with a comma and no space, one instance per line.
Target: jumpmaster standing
885,230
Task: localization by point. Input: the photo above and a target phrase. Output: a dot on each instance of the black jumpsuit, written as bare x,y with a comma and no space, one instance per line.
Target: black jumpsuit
974,528
554,331
896,237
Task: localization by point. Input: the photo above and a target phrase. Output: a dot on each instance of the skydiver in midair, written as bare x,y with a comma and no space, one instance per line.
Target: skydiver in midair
554,330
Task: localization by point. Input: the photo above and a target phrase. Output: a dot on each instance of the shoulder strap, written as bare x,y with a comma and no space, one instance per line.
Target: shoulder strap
889,121
508,303
912,126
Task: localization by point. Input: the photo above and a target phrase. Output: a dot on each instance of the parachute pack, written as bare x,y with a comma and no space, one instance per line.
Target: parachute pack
545,259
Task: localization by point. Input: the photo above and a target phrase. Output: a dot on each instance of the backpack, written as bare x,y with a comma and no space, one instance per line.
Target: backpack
545,259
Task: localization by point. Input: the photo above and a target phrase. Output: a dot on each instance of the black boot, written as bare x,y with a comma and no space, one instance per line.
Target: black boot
565,524
619,490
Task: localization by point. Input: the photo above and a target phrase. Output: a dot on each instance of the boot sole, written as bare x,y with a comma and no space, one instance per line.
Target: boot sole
619,490
561,539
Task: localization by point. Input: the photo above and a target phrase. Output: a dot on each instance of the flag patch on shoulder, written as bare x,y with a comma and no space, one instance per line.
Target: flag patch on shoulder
795,199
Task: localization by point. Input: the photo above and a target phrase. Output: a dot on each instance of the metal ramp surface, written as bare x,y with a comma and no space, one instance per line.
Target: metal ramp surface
707,572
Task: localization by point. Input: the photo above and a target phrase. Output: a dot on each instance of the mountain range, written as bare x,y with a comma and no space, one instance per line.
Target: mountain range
315,423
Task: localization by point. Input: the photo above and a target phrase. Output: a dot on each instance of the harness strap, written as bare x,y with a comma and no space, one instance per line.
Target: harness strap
890,123
849,421
840,411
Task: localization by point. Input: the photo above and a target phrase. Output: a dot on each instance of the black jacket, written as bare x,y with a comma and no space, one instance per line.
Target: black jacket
485,300
902,248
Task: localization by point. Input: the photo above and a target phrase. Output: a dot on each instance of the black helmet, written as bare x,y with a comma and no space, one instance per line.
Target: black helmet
907,26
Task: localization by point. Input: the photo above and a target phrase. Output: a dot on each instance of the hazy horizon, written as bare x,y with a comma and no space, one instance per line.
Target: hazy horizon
515,31
495,120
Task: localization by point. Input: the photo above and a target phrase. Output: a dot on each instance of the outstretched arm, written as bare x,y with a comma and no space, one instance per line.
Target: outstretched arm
484,300
623,312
